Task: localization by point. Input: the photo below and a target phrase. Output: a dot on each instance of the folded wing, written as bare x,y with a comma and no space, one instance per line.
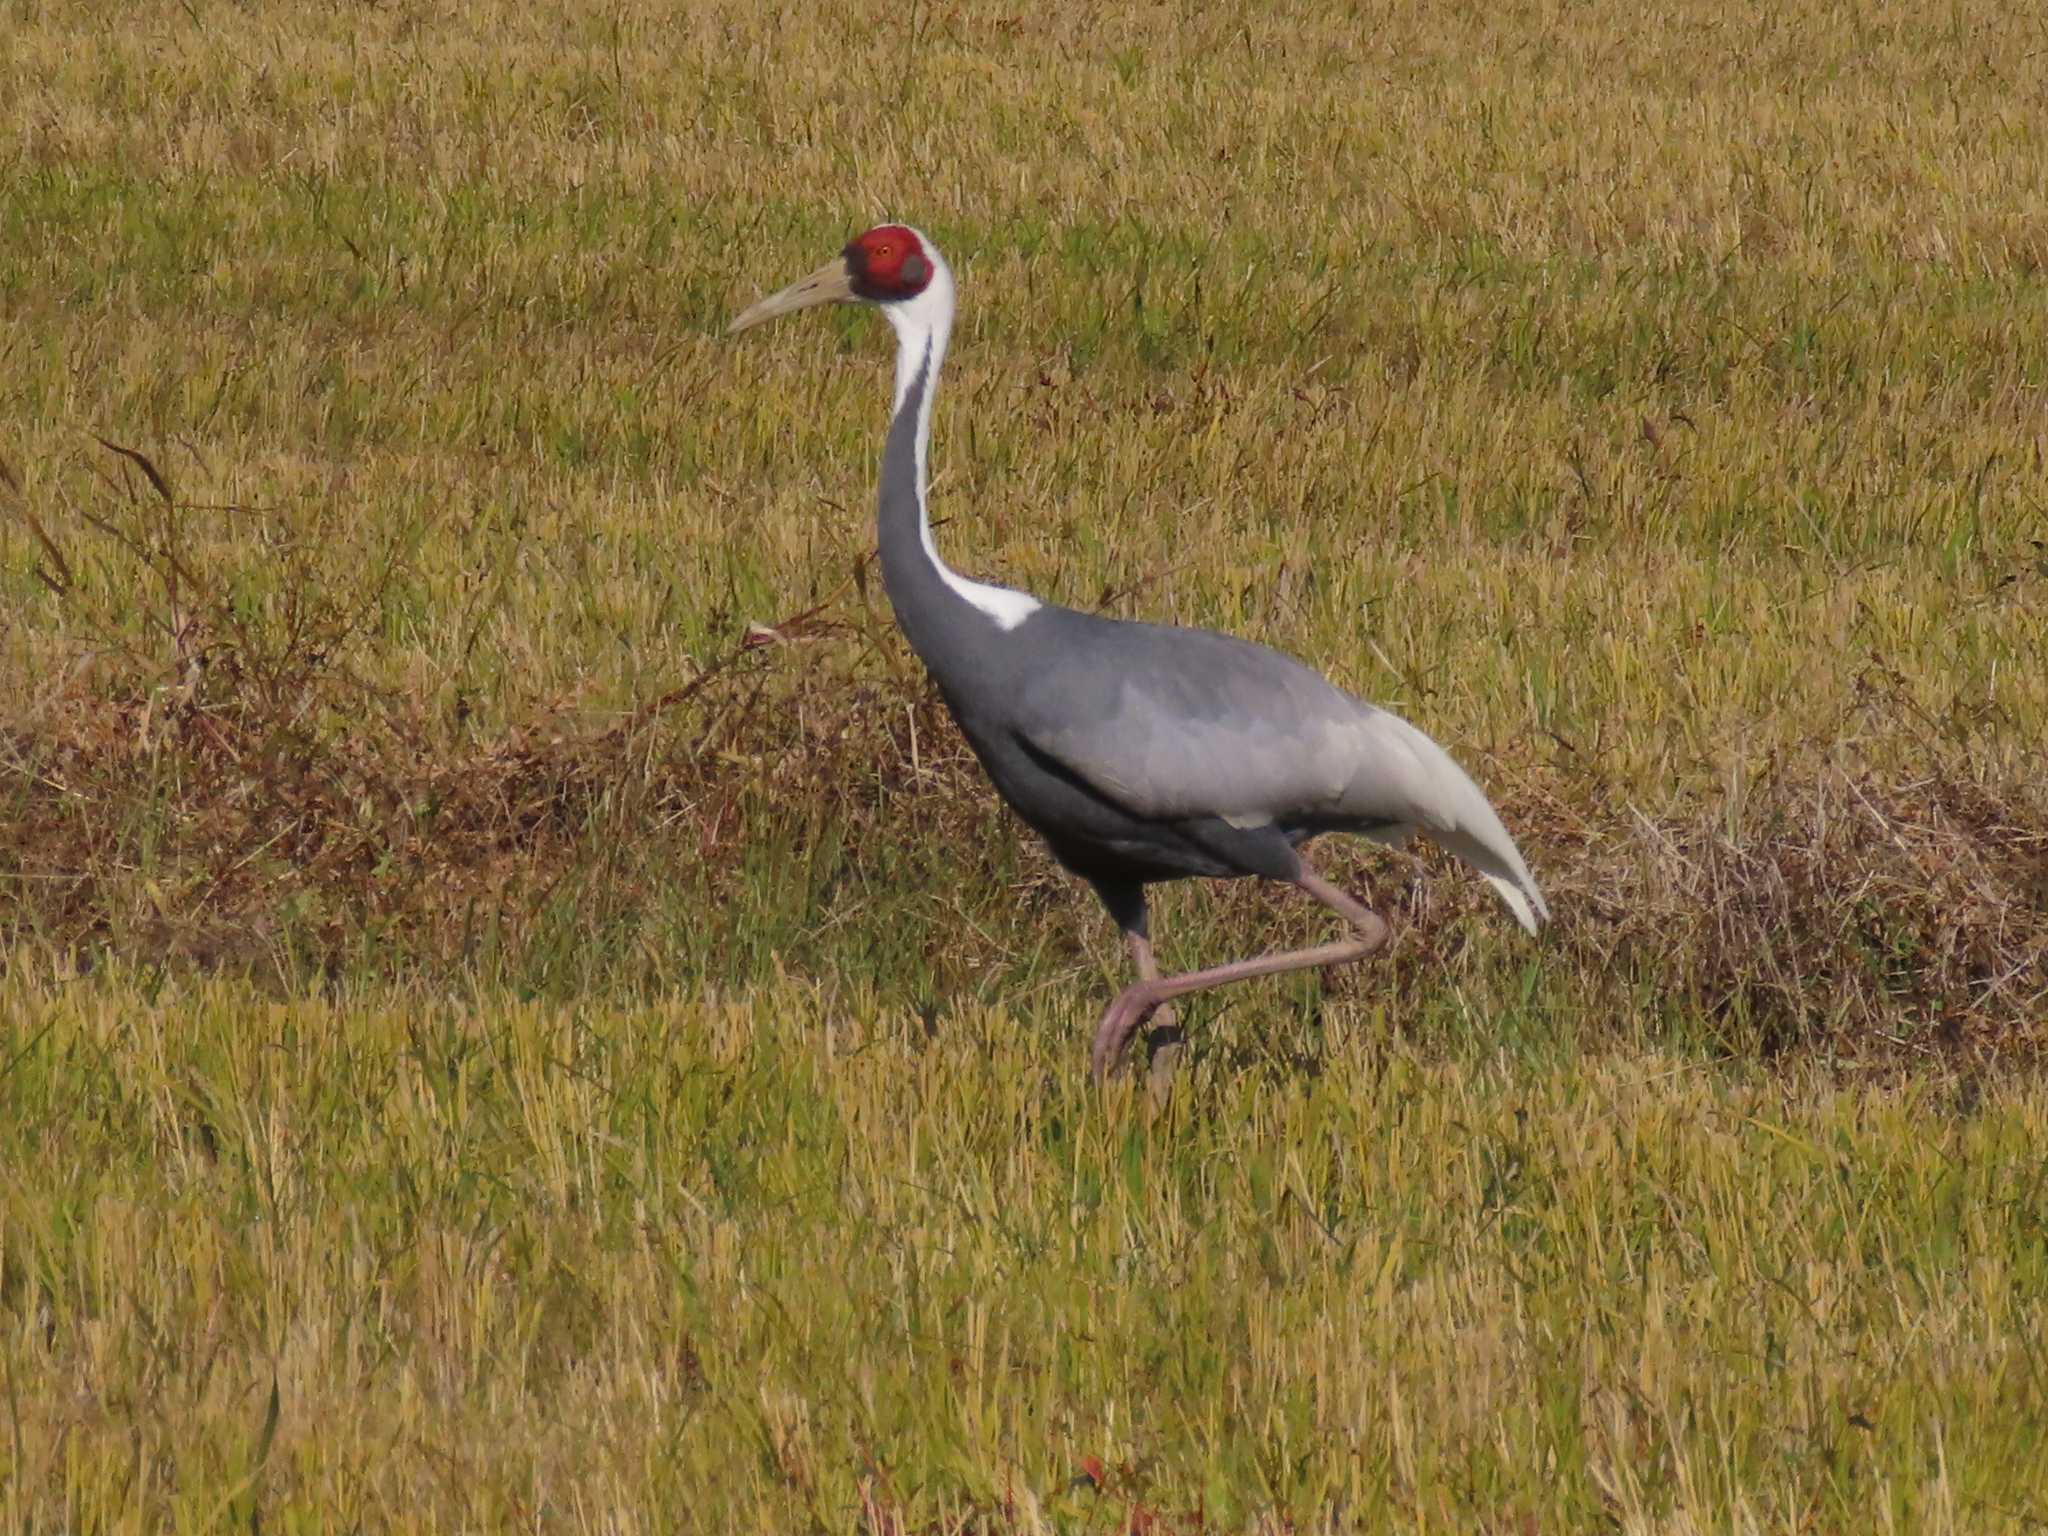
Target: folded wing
1173,723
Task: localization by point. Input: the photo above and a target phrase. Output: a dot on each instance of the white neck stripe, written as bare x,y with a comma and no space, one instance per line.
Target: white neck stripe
923,327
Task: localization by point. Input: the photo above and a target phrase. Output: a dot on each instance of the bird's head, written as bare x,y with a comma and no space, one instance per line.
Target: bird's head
890,265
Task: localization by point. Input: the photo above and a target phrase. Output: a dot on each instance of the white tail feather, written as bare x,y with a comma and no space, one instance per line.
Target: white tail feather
1434,794
1517,888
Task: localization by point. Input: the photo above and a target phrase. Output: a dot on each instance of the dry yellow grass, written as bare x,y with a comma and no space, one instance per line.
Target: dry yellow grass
773,1264
1649,406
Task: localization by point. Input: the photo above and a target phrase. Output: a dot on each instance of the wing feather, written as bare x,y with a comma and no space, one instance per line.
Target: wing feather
1172,723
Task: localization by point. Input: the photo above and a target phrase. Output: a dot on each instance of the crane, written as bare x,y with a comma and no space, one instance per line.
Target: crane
1141,752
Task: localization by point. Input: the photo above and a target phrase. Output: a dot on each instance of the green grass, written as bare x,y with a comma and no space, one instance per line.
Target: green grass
604,1069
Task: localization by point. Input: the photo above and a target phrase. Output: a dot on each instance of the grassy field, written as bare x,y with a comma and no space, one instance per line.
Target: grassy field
520,1012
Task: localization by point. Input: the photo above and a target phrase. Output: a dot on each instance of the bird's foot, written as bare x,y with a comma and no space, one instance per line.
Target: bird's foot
1120,1021
1167,1041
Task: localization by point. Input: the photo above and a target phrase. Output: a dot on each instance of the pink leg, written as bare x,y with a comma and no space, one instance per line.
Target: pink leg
1138,1001
1164,1035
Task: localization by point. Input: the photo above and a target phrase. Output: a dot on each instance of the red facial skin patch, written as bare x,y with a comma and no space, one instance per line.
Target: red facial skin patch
888,262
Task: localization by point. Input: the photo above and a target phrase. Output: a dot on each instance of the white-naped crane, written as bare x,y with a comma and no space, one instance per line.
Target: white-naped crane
1141,752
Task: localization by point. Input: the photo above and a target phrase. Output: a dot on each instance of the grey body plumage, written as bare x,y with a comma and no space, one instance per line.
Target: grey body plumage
1143,752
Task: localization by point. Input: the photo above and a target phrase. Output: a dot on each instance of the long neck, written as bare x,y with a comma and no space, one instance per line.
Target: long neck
943,615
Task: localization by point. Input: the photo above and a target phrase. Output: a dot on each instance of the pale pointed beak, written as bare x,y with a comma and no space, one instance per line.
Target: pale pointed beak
830,284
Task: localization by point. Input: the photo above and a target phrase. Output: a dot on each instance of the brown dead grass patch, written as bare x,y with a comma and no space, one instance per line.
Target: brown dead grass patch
232,793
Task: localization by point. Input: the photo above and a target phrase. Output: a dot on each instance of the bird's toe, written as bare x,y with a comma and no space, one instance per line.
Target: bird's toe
1119,1022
